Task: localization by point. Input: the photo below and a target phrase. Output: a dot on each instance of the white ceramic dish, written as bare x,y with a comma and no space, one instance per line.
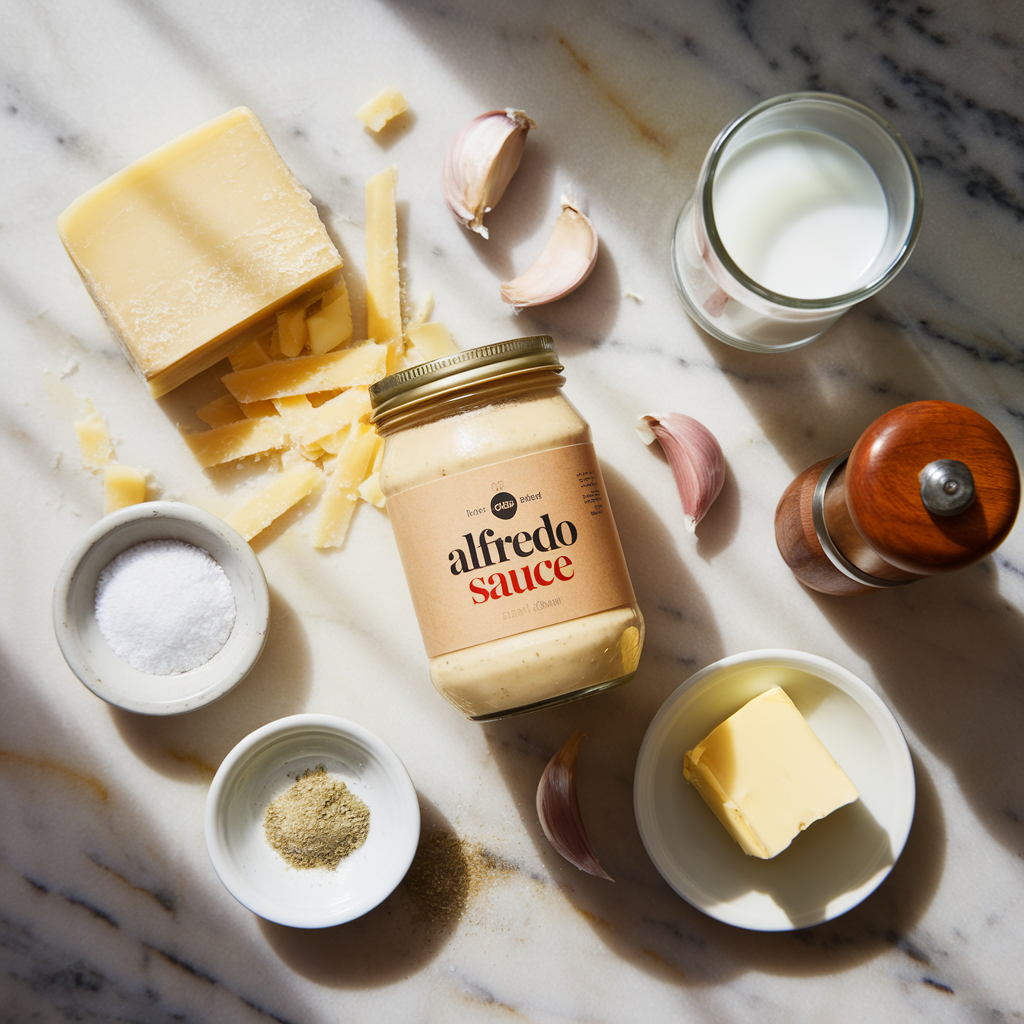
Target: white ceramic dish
828,869
266,763
89,655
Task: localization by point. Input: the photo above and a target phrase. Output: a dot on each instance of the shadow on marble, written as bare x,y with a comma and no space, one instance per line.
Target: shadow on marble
821,865
814,402
385,945
947,653
190,747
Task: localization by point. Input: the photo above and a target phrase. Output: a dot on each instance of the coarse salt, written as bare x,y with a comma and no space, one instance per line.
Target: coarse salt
165,606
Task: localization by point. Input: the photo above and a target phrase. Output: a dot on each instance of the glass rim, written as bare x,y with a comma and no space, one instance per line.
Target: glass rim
706,186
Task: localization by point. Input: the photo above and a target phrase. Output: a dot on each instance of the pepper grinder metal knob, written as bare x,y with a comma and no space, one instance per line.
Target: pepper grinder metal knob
929,487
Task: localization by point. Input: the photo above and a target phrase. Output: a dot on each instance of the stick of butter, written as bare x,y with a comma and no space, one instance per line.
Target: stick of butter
766,775
192,246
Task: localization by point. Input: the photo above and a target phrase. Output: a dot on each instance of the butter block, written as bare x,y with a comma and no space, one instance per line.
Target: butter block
766,775
382,108
189,250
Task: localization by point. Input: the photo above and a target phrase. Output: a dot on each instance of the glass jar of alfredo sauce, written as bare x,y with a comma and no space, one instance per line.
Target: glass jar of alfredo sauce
504,529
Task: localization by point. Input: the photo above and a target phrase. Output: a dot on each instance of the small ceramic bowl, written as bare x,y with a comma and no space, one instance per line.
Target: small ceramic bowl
90,656
832,866
265,764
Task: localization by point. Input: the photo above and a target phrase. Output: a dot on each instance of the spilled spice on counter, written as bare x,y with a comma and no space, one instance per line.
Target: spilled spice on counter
317,822
446,872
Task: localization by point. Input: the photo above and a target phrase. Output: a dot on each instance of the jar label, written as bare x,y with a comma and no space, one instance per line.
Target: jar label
509,547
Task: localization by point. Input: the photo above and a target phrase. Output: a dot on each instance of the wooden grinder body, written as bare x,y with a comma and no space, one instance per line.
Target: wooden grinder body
859,523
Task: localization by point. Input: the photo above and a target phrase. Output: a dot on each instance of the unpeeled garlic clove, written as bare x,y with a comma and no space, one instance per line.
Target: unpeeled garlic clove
565,263
480,162
559,810
696,459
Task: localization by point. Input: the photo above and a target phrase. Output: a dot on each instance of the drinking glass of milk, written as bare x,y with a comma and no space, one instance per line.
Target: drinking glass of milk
805,205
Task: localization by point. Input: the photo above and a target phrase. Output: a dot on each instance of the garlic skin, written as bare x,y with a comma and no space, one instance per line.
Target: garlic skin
480,162
696,459
559,810
563,265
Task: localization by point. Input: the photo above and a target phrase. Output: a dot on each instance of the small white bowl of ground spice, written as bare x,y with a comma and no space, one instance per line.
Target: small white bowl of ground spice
311,821
161,608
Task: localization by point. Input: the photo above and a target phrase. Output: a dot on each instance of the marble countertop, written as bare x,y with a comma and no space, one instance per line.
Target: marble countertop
110,909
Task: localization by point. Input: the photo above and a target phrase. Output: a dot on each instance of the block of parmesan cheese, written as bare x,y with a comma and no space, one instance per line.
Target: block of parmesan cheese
188,251
306,375
766,775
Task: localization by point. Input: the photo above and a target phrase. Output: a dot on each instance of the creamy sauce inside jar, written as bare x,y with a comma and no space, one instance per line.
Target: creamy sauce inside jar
505,534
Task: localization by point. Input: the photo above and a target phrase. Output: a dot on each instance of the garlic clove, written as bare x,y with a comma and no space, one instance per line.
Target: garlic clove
480,162
565,263
696,459
559,810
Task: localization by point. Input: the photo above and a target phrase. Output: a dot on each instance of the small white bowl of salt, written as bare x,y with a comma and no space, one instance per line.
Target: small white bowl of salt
161,608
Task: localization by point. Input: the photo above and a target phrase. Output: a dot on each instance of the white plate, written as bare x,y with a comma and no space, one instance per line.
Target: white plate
265,764
89,655
828,869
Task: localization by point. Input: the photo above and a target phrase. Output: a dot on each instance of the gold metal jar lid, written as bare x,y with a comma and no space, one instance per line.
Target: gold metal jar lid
450,373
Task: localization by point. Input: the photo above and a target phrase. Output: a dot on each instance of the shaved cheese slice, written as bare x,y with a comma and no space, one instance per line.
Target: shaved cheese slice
288,489
334,512
307,428
94,441
237,440
255,353
383,288
122,486
361,365
220,412
297,403
369,490
300,424
432,341
332,326
255,410
291,329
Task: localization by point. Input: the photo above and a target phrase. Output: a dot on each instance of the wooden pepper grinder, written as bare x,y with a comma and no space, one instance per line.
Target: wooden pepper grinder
930,487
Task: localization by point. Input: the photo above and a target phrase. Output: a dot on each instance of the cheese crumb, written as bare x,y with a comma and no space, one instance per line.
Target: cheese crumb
384,107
